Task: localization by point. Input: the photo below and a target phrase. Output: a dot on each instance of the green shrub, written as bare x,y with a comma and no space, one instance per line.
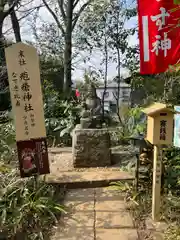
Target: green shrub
27,208
132,123
61,119
172,168
7,141
172,233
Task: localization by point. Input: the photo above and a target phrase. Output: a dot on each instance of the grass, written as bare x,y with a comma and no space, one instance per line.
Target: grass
28,207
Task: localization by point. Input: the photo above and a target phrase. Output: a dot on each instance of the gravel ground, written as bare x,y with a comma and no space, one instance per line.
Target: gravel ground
61,159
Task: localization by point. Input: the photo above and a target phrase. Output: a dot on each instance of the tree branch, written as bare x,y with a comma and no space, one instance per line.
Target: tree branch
11,8
75,3
61,3
80,11
15,24
19,19
55,17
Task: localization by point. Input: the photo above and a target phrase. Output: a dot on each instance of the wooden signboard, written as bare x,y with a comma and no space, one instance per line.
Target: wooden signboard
159,133
159,124
27,105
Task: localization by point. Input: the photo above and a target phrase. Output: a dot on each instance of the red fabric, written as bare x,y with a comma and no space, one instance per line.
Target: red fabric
77,93
168,52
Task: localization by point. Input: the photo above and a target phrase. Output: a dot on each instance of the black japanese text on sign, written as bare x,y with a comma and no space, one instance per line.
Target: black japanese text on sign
27,95
163,126
17,97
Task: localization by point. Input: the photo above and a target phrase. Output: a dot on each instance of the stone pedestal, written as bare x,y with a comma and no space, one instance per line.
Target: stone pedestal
91,148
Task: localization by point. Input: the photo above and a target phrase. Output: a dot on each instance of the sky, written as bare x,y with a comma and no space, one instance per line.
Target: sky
81,66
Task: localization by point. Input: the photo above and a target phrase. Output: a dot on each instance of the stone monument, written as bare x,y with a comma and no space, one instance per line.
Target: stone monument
91,142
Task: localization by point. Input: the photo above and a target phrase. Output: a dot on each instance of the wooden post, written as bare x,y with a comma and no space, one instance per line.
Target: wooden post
137,173
156,191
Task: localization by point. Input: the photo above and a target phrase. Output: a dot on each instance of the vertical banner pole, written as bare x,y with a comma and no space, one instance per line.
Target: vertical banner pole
156,191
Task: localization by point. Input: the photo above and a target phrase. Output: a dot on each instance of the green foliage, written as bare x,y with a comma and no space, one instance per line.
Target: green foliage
131,122
52,74
162,87
172,168
108,19
170,207
62,117
28,208
7,141
172,233
5,103
127,189
25,208
170,203
69,118
90,77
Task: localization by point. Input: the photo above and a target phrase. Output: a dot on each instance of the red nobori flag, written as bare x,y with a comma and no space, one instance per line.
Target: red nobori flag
159,34
77,93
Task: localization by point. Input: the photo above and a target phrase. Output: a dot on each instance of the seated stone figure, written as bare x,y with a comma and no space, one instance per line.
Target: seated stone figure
91,116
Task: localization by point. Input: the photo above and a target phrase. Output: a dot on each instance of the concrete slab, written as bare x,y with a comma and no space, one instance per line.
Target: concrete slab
79,219
95,214
114,220
108,191
80,206
116,234
112,206
80,194
80,200
108,194
79,222
74,233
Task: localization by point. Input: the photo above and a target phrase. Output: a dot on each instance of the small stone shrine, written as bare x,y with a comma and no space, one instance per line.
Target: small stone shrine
91,143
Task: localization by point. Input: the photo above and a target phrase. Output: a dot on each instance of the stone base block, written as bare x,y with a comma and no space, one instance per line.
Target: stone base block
91,148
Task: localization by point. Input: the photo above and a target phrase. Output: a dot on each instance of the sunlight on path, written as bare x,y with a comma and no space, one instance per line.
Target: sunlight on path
95,214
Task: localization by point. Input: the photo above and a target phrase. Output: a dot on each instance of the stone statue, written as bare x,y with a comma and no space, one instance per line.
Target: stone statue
91,116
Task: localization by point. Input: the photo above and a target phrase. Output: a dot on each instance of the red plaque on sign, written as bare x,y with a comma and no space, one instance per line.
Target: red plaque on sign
33,157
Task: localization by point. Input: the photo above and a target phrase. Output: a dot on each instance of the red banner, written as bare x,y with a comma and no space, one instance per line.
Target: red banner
159,34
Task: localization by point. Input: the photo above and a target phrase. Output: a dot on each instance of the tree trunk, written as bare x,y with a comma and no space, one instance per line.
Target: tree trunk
2,53
16,27
68,48
119,85
105,77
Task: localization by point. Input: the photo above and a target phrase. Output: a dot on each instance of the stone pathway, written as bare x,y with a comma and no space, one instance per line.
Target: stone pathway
95,214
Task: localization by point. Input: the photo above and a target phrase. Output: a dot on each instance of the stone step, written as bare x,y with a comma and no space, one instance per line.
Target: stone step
88,179
57,150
